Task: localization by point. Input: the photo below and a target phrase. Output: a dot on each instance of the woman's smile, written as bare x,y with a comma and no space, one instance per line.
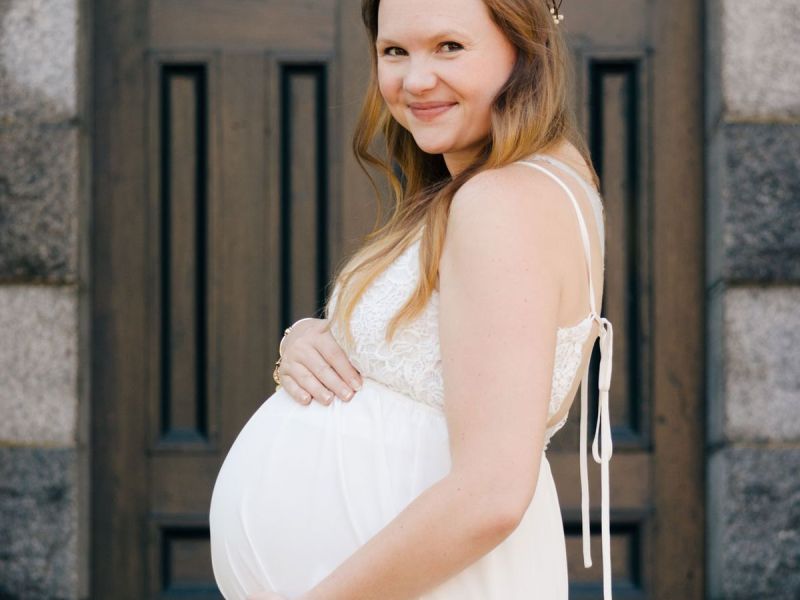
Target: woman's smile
440,65
427,111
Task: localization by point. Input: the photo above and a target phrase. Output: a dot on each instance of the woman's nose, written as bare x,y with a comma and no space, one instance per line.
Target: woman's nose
419,78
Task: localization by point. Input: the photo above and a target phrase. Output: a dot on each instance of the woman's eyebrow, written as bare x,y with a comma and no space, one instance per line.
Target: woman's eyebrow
441,34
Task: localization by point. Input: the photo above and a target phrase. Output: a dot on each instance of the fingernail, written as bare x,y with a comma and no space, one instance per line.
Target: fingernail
356,385
347,394
329,397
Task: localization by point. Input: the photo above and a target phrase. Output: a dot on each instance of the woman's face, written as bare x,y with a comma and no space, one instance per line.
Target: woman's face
440,65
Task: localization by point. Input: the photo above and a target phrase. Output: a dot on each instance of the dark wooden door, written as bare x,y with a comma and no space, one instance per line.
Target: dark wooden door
225,193
216,162
638,95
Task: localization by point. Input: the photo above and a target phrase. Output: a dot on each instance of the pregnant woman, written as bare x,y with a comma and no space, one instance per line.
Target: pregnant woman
467,322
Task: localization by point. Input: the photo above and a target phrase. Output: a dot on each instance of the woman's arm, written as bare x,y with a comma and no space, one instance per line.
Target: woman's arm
499,297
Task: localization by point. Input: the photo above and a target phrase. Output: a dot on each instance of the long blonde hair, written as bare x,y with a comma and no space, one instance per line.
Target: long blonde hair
530,114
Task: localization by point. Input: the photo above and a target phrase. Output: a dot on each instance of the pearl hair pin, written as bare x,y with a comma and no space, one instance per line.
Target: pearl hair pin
554,10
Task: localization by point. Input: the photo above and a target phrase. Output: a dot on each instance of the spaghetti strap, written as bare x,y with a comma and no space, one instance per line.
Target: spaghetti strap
581,222
593,194
603,426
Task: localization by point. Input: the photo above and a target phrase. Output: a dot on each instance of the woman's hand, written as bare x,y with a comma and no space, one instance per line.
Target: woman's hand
315,366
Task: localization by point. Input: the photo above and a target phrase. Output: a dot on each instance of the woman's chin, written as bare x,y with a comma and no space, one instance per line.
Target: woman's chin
433,146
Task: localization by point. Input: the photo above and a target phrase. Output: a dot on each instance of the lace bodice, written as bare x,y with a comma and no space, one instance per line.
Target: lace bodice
411,363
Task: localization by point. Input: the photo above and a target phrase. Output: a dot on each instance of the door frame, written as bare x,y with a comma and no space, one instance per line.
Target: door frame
677,187
675,558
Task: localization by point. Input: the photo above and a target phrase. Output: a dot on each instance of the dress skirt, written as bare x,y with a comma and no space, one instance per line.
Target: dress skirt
303,487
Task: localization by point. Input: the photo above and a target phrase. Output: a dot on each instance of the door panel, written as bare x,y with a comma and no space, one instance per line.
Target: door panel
214,202
613,85
225,194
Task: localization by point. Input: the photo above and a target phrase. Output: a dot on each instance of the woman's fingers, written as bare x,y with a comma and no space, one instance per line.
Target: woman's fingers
316,366
344,373
330,378
308,383
295,391
322,383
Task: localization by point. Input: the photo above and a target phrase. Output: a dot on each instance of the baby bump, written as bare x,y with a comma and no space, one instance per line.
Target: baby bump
304,486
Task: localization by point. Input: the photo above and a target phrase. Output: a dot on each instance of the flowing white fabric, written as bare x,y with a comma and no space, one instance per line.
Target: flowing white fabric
304,486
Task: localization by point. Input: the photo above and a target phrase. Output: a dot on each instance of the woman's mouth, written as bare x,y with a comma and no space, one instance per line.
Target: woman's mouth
427,111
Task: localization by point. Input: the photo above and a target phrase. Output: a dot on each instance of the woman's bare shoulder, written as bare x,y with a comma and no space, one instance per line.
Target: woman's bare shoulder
514,215
514,192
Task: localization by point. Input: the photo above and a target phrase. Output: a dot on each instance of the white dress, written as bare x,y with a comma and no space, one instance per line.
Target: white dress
303,487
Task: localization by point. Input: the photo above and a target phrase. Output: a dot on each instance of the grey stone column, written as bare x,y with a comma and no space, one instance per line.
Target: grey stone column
44,161
753,298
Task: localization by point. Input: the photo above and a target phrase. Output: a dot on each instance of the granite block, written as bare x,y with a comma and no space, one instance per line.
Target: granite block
38,523
762,364
712,72
760,58
38,50
760,196
716,403
39,183
38,365
754,523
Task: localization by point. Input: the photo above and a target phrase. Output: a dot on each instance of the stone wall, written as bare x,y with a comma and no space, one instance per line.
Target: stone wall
44,194
753,298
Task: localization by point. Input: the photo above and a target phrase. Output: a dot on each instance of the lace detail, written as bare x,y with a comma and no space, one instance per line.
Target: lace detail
569,352
411,363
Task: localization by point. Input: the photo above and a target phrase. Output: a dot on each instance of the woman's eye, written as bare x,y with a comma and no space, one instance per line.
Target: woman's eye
454,45
389,50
